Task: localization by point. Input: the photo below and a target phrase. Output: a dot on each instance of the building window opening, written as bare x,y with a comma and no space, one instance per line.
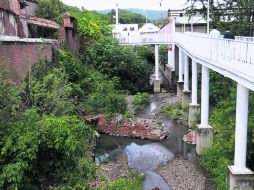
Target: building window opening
42,32
132,29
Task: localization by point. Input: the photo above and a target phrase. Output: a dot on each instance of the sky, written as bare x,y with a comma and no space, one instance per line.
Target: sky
141,4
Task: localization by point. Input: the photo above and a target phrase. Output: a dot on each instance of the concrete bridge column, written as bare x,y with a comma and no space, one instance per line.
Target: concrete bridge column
194,106
186,91
180,75
171,56
204,132
157,83
240,177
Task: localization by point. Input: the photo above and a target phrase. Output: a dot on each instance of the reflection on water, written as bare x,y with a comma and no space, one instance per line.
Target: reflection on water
147,157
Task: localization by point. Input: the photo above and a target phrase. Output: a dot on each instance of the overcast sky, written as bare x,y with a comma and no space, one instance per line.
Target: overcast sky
141,4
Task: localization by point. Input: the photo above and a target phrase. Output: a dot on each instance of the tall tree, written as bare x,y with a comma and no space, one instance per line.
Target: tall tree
236,14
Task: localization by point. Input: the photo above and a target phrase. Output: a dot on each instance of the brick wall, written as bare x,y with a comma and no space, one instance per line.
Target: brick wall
8,23
72,39
18,57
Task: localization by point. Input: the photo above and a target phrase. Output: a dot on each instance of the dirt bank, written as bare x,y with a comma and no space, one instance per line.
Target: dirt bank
182,174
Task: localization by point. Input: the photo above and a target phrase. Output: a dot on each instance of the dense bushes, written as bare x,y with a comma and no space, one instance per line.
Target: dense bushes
125,63
220,154
175,111
134,182
46,151
46,145
43,140
140,100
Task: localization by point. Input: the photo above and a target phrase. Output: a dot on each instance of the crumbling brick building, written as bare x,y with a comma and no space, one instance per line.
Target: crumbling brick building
21,31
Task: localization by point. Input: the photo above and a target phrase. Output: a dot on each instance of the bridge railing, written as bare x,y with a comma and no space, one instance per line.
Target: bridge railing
146,38
244,38
217,49
234,54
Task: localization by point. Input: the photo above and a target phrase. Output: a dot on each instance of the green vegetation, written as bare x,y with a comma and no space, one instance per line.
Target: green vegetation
44,141
163,54
123,63
134,182
140,100
220,154
242,12
48,150
176,112
125,17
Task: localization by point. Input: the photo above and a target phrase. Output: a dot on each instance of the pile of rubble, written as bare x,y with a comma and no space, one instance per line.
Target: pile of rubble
120,126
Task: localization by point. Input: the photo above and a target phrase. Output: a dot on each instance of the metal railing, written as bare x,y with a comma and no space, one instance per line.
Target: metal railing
234,55
217,50
146,38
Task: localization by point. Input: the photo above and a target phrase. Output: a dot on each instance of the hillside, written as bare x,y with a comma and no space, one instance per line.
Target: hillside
151,14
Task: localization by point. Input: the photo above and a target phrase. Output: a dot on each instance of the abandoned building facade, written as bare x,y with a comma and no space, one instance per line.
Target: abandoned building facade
25,38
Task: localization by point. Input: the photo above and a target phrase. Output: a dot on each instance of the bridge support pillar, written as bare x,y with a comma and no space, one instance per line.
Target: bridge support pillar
194,108
171,56
179,89
205,131
157,86
186,98
157,83
240,177
186,73
180,74
204,138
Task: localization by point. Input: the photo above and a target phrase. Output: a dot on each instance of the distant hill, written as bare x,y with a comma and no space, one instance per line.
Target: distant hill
151,14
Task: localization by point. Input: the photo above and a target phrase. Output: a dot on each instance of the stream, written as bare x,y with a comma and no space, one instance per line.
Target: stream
146,155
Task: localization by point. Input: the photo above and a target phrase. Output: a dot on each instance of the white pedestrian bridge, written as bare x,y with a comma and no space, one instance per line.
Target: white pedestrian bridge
231,58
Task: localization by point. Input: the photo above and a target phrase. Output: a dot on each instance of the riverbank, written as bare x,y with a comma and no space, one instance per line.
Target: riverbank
182,174
159,161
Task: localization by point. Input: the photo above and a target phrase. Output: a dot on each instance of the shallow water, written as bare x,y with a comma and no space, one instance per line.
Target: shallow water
146,155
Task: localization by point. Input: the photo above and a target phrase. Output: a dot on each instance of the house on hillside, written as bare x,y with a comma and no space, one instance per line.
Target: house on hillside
148,28
125,30
186,24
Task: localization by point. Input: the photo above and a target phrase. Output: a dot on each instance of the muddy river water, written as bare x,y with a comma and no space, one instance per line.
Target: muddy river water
145,155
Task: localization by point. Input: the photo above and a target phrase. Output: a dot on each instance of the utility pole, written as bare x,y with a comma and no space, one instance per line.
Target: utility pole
208,13
144,11
117,14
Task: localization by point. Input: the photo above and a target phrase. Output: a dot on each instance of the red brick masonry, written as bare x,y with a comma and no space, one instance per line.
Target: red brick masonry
127,127
18,57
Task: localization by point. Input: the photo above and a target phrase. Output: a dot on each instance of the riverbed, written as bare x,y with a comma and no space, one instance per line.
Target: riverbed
155,158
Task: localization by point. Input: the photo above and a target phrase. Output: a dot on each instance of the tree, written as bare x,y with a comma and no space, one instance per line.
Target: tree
91,24
43,152
125,63
125,17
52,10
9,104
238,15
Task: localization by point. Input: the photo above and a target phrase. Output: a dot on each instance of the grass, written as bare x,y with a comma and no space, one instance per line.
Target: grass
140,100
175,111
133,182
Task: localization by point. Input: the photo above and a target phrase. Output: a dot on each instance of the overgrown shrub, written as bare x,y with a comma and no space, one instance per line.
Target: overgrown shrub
220,154
125,63
134,182
46,151
140,100
175,111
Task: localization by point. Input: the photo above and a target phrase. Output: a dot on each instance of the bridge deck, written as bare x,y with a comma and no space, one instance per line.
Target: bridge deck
231,58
